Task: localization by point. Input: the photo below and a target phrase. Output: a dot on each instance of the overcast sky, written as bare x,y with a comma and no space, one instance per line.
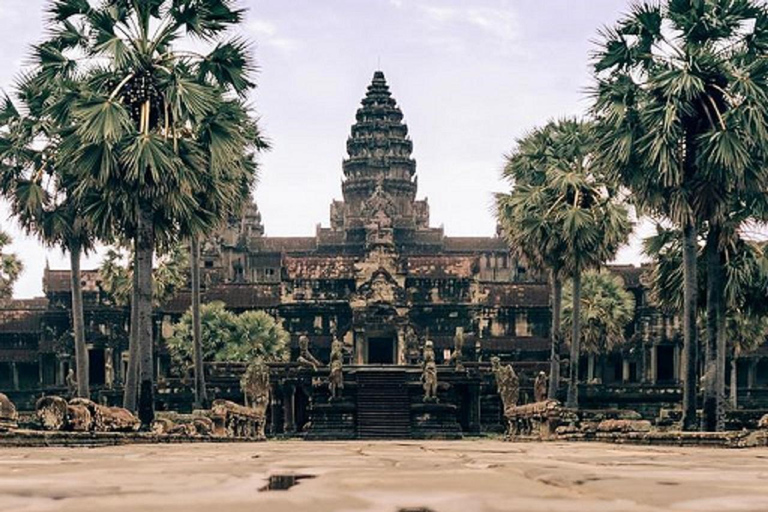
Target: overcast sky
470,76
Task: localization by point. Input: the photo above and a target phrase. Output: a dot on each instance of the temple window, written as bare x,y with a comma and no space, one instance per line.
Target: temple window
522,327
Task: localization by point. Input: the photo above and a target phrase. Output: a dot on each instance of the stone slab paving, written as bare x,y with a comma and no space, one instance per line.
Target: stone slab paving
440,476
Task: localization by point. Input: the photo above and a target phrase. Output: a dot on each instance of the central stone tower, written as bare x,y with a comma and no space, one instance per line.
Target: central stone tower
379,187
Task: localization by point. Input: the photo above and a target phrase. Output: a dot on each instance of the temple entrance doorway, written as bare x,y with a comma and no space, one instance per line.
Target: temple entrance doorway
382,349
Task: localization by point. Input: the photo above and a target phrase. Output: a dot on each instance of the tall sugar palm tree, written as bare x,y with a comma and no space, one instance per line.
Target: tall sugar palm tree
232,180
41,188
746,289
140,97
682,101
534,236
564,200
607,307
119,281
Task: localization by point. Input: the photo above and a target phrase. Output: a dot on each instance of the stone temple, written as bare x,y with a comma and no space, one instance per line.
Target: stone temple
382,280
380,277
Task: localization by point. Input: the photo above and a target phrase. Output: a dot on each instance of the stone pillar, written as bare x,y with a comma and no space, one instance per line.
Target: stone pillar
625,370
401,348
751,373
61,374
15,375
654,363
677,367
590,367
289,409
359,347
273,416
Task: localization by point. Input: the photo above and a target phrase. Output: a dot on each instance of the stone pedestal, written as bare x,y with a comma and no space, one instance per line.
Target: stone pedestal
434,420
331,421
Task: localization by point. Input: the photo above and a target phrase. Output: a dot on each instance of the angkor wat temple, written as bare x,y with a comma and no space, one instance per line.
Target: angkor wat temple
381,279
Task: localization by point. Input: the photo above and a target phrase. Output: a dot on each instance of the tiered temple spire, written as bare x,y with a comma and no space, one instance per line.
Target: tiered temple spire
379,173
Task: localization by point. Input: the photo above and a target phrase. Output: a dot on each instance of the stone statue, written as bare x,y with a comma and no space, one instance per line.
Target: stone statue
540,387
306,359
109,369
458,349
255,385
507,383
336,377
429,373
71,382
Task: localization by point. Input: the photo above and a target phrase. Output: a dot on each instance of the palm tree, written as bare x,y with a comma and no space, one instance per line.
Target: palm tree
534,236
561,199
232,180
606,309
681,101
137,103
118,282
10,267
746,289
41,188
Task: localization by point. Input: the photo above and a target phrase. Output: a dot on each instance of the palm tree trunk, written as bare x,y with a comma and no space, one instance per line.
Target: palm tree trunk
689,326
145,245
130,392
573,378
554,357
78,324
201,397
714,375
735,380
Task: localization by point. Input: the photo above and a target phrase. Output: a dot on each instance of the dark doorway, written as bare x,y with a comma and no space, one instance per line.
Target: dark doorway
96,366
381,350
665,363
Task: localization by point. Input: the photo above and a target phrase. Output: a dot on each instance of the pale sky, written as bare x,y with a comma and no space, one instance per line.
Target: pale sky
470,77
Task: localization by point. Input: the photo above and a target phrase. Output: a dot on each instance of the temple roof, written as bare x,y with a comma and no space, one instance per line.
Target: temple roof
442,267
58,281
319,267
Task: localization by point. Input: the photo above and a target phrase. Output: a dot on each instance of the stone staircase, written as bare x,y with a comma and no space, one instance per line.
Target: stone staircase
383,406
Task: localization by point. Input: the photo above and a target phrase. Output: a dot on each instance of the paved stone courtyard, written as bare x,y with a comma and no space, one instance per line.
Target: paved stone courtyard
458,476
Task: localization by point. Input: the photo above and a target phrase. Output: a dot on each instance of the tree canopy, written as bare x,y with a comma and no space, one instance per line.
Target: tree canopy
607,307
227,336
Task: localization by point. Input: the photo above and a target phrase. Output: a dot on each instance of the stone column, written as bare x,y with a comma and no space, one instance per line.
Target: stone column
289,412
401,348
677,369
751,373
590,367
273,416
625,370
654,363
61,374
15,375
359,347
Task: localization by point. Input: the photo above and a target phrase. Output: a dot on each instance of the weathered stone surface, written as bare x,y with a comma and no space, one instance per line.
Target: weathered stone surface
162,426
108,419
234,420
203,426
79,418
9,417
624,426
444,476
51,411
763,423
540,419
